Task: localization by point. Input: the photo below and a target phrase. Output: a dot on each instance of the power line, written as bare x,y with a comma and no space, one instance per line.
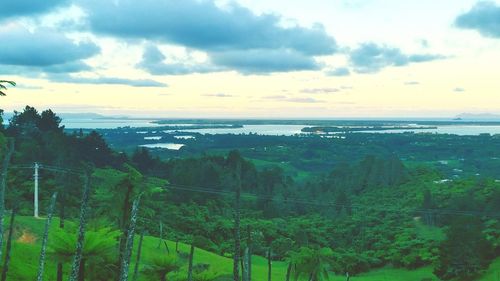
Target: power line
328,204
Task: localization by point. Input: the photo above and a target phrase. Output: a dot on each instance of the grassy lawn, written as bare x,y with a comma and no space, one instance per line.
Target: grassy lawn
26,249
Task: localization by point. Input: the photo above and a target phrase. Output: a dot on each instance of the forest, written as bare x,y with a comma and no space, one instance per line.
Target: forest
246,207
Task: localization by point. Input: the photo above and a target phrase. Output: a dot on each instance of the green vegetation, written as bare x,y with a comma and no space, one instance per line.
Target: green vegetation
342,208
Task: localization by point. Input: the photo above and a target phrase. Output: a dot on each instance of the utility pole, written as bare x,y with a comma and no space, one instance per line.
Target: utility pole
35,198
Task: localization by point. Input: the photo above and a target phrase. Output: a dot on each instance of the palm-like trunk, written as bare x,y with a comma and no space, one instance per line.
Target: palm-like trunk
269,264
5,268
77,260
62,217
161,235
3,184
288,271
237,251
41,263
138,259
127,253
190,265
249,245
125,219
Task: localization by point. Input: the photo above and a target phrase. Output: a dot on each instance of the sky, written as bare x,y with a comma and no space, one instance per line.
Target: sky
252,58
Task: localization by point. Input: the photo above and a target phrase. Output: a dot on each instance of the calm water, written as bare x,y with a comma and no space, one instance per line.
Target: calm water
286,130
70,123
172,146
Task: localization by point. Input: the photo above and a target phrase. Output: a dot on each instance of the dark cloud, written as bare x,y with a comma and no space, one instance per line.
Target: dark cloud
341,71
319,90
234,37
44,49
484,17
153,62
203,25
261,61
219,95
64,78
18,8
371,58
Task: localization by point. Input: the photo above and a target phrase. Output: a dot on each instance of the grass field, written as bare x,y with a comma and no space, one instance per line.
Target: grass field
26,250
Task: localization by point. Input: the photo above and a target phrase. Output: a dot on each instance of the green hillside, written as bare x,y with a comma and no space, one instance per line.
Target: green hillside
26,249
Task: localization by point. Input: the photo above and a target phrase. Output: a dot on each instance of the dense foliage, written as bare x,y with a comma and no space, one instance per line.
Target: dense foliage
366,207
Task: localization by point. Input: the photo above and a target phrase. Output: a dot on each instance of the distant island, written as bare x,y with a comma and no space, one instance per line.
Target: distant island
478,116
334,129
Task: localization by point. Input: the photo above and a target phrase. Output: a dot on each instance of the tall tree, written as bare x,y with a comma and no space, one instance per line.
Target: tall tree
237,242
138,258
190,262
41,263
125,263
3,183
465,252
5,267
77,260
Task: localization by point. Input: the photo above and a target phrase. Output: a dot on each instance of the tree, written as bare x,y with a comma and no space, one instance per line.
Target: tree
465,252
5,268
3,87
312,264
46,237
160,266
3,183
98,250
78,265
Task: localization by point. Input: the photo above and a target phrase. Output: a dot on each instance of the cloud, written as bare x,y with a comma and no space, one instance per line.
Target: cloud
319,90
341,71
304,100
18,8
295,99
228,35
484,17
275,97
44,49
219,95
261,61
371,58
459,90
64,78
153,62
411,83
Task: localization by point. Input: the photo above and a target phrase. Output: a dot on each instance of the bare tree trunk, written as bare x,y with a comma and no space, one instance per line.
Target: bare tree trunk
237,246
125,264
190,265
41,262
77,260
245,268
288,271
161,235
5,268
269,264
3,184
61,225
124,226
81,271
138,259
249,245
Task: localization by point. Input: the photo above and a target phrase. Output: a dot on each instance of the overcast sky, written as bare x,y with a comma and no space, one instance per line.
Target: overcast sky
253,58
